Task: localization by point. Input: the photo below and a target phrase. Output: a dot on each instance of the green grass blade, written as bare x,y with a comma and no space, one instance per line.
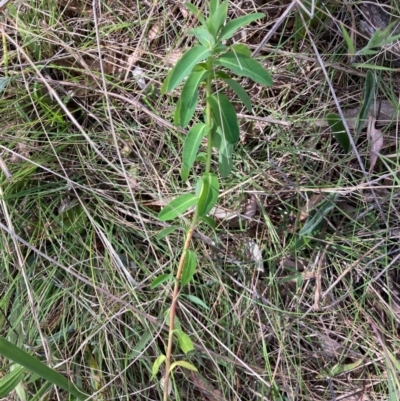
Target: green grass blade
184,67
177,206
191,147
369,92
225,116
337,127
24,359
245,66
350,46
11,380
232,26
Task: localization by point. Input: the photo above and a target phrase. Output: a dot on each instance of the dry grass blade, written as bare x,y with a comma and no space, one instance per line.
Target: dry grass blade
375,138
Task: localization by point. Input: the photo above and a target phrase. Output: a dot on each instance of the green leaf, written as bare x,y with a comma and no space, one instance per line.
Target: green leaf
183,364
380,38
208,194
166,231
241,48
4,81
313,222
225,162
177,114
196,12
225,116
10,381
217,18
157,363
214,4
189,267
191,147
202,157
184,67
350,46
239,90
209,221
373,67
185,343
369,92
232,26
342,368
189,97
245,66
219,48
177,206
161,279
225,152
24,359
204,36
197,301
338,129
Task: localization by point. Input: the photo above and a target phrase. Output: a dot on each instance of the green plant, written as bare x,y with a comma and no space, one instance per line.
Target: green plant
204,65
26,361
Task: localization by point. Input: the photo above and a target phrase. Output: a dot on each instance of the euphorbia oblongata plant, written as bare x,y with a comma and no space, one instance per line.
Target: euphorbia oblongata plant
209,64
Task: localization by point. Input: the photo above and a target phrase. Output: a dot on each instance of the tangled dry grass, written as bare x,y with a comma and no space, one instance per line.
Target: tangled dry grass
89,156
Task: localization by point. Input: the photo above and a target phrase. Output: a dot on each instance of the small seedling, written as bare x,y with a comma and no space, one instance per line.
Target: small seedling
206,65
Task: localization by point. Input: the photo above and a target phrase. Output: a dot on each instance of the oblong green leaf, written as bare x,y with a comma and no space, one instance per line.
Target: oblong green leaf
189,96
217,18
196,12
11,380
239,90
204,36
189,267
369,92
313,222
219,48
338,129
245,66
209,221
157,363
225,116
184,67
197,301
4,81
183,364
177,206
191,147
185,342
241,48
232,26
213,5
350,45
161,279
225,162
24,359
208,194
166,231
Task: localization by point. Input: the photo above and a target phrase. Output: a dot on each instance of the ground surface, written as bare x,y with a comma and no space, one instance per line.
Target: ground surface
89,156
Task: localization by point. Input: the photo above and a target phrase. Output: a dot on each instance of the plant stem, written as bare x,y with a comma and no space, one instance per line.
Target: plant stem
175,294
208,116
188,240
